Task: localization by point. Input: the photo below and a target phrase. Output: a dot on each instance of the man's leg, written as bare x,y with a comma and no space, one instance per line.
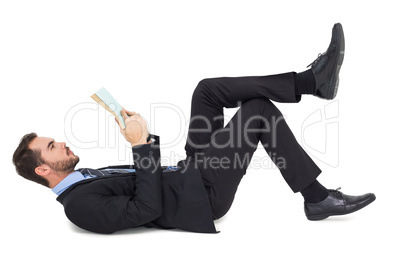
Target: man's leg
224,160
206,136
223,154
208,139
212,95
257,120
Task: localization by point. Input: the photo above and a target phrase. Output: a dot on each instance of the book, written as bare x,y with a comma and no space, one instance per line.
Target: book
106,100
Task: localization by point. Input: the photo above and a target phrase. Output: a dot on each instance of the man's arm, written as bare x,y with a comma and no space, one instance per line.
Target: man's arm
102,211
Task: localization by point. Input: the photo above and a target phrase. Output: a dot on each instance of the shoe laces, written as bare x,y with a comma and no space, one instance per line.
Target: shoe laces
318,57
336,191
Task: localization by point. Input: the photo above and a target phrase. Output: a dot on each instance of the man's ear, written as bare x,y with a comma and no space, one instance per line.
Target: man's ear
42,170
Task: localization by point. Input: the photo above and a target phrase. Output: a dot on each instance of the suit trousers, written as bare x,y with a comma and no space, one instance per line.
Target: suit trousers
223,154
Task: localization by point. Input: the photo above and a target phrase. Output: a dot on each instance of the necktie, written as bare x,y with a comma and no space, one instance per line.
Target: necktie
92,173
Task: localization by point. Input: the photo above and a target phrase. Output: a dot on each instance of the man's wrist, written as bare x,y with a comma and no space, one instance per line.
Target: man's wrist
148,140
139,143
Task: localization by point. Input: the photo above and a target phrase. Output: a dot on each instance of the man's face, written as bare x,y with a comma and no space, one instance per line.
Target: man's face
56,155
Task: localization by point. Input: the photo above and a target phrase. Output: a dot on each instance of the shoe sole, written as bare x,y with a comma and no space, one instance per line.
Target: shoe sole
341,55
324,216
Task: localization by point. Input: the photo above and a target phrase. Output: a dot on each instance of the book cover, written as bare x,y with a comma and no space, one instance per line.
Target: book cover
106,100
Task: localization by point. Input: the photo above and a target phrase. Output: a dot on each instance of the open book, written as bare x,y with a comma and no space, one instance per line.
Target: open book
103,97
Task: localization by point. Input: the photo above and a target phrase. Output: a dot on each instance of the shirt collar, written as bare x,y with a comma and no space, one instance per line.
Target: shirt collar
67,182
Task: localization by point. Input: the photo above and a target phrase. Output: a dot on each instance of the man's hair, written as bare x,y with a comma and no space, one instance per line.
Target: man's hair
26,160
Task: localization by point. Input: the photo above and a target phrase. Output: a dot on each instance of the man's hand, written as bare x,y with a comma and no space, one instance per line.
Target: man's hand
136,131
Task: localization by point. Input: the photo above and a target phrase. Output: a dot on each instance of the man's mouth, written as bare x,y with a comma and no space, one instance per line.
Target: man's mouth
69,151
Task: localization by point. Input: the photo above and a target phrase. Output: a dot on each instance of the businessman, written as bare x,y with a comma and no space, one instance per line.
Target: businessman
202,187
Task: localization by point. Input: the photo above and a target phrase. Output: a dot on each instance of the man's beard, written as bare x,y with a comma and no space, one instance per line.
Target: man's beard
65,166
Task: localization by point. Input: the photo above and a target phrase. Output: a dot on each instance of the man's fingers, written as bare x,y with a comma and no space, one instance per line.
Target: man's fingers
124,114
130,113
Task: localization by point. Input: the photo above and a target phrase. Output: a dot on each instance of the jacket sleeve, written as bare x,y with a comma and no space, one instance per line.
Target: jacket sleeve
147,164
102,213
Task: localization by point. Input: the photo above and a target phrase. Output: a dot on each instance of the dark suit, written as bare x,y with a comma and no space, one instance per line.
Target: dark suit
150,197
192,199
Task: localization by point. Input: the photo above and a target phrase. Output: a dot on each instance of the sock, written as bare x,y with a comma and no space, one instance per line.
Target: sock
314,193
305,82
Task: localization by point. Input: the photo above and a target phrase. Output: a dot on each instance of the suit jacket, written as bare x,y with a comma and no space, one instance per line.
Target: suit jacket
152,197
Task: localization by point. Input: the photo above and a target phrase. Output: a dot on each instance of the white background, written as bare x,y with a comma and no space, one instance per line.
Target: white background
54,55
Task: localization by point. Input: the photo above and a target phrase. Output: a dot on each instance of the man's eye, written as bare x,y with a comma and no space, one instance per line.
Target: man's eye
52,147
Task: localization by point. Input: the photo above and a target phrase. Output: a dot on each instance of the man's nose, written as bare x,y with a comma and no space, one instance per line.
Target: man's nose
62,145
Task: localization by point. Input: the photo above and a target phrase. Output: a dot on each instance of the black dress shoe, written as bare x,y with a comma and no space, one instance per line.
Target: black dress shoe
327,66
336,203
